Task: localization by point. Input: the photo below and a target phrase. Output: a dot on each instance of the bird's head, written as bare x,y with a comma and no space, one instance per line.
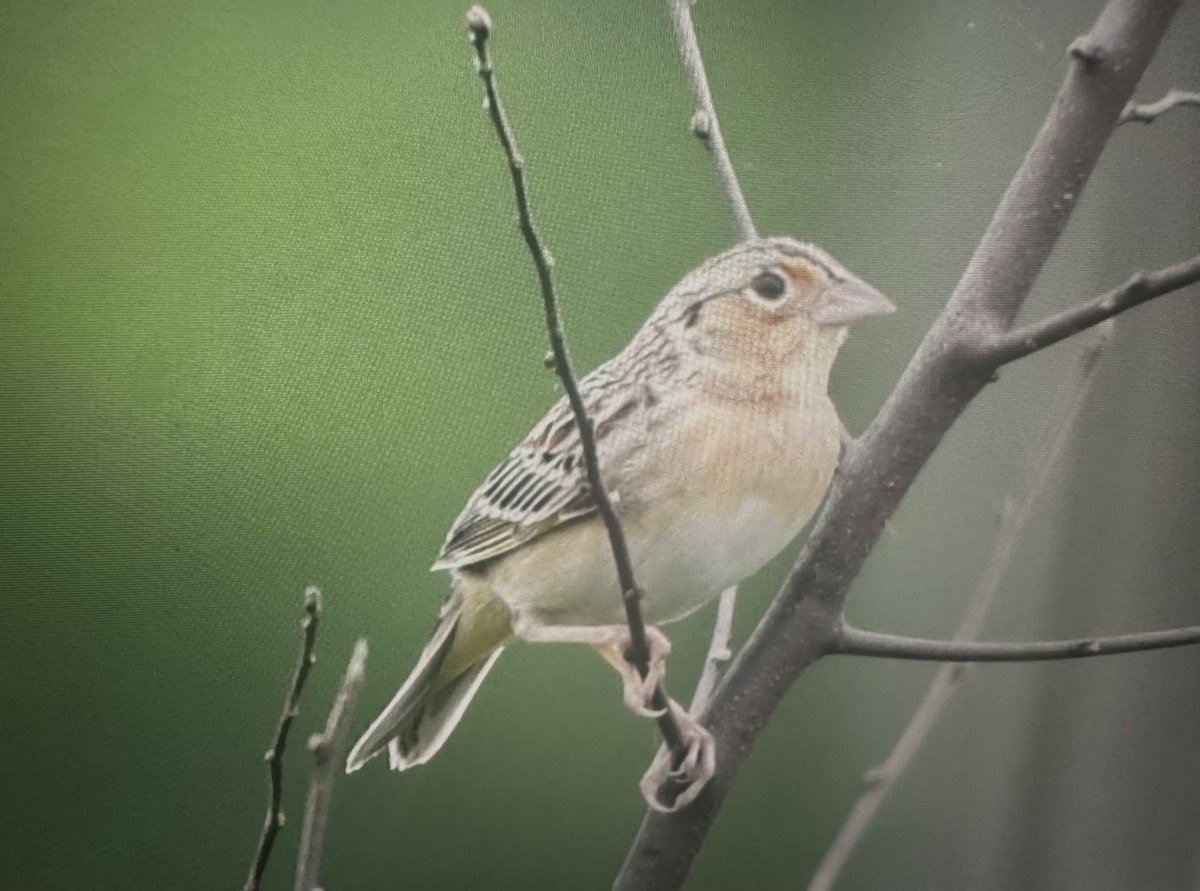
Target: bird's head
768,305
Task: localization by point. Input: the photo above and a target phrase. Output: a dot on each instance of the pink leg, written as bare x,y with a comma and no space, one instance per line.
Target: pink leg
612,642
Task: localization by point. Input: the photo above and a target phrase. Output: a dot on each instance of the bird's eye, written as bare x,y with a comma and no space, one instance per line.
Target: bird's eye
768,285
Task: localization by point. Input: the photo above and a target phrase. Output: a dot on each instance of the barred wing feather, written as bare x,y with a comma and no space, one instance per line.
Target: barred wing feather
541,484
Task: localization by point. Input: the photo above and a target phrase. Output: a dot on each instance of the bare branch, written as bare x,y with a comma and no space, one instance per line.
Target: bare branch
856,642
719,654
940,381
274,757
1015,514
707,127
704,122
1141,288
479,25
327,749
1147,113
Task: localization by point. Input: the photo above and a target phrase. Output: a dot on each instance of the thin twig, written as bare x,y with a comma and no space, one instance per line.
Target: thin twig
479,25
1147,113
326,750
707,127
704,122
274,756
939,383
716,660
857,642
658,784
1141,288
1017,509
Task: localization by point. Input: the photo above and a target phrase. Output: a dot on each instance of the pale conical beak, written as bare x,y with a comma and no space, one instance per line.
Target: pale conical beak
848,300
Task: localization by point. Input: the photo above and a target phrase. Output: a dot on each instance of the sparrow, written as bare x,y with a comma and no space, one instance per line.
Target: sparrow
716,440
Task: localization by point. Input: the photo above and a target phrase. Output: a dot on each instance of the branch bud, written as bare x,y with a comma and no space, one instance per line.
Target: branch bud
479,23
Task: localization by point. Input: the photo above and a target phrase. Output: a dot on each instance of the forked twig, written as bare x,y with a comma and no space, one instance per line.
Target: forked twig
707,128
1148,112
1140,288
326,750
1018,507
704,121
944,376
274,756
479,26
716,660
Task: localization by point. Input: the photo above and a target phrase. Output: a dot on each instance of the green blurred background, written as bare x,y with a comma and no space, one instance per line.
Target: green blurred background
265,321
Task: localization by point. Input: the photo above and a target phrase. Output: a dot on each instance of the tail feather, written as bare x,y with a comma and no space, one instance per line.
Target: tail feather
431,702
421,739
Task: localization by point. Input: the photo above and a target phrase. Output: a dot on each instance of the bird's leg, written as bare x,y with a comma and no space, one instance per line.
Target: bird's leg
682,781
613,643
685,780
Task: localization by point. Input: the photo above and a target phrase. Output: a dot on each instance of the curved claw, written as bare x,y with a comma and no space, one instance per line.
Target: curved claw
692,773
638,692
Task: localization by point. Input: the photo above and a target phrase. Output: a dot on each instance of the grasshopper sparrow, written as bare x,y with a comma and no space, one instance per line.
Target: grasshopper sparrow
717,441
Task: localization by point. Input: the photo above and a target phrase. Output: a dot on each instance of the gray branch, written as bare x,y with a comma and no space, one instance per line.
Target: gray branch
949,369
1015,514
719,654
857,642
1141,288
326,750
1150,111
274,757
479,26
704,122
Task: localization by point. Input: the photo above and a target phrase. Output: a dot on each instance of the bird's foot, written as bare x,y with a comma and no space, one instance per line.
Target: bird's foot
671,782
639,691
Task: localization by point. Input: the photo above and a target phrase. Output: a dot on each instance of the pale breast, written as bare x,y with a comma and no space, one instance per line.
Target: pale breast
756,481
720,491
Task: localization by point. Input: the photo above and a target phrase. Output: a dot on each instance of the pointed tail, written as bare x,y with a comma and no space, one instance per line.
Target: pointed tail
430,703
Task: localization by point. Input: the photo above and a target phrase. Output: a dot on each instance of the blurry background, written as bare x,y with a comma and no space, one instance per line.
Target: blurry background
265,321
